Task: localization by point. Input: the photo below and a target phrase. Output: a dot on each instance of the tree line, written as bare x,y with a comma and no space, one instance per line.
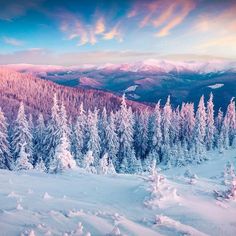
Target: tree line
120,141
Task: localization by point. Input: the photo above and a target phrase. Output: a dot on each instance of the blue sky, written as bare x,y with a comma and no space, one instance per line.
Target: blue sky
76,32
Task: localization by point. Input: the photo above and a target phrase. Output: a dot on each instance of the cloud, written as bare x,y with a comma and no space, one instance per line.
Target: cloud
100,26
186,7
87,33
12,41
113,33
165,15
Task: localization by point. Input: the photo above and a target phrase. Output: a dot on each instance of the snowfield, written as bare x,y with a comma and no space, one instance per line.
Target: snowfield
78,203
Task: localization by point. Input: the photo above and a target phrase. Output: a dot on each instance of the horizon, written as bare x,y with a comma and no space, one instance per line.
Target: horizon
99,32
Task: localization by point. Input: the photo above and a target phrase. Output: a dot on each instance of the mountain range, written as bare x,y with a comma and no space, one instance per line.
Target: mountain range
147,81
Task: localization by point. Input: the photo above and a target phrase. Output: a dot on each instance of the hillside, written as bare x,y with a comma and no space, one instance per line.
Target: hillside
37,95
153,79
75,203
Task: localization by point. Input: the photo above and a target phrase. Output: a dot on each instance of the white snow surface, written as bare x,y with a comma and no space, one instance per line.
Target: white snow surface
215,86
78,203
131,88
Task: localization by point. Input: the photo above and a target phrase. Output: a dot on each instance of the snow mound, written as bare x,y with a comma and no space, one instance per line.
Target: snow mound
46,196
215,86
181,228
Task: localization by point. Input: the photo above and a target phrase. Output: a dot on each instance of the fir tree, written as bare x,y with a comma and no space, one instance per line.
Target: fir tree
93,143
125,134
52,134
80,136
22,161
210,126
200,131
5,154
63,158
112,141
21,135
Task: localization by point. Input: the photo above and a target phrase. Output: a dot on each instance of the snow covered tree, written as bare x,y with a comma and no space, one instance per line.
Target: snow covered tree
141,134
88,162
224,134
125,134
200,131
5,154
93,143
156,136
63,158
63,119
78,145
22,161
38,138
111,168
103,165
231,120
112,141
52,134
40,166
166,125
187,124
210,126
21,135
102,127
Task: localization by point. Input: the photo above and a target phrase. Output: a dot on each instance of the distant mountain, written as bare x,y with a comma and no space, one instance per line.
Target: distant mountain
37,95
152,79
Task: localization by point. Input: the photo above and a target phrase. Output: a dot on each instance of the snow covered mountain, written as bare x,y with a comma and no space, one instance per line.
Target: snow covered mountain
153,79
37,95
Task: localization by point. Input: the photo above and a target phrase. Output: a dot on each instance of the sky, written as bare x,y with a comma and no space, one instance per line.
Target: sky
74,32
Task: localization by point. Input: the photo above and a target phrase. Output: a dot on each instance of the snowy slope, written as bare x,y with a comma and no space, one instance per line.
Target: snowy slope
55,204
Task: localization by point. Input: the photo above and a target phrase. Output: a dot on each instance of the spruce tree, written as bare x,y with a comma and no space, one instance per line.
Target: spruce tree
210,126
21,135
5,154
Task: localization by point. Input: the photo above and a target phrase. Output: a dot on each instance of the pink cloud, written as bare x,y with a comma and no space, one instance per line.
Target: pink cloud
186,6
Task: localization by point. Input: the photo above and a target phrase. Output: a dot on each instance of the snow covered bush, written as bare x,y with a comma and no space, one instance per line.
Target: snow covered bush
88,163
22,161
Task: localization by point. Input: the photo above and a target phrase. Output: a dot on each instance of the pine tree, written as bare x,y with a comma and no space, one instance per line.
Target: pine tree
224,133
141,134
157,133
22,161
63,158
200,131
38,138
103,165
231,120
218,126
5,154
80,136
52,134
187,124
210,126
125,134
40,166
112,141
63,119
21,135
166,125
93,143
102,127
88,162
111,168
